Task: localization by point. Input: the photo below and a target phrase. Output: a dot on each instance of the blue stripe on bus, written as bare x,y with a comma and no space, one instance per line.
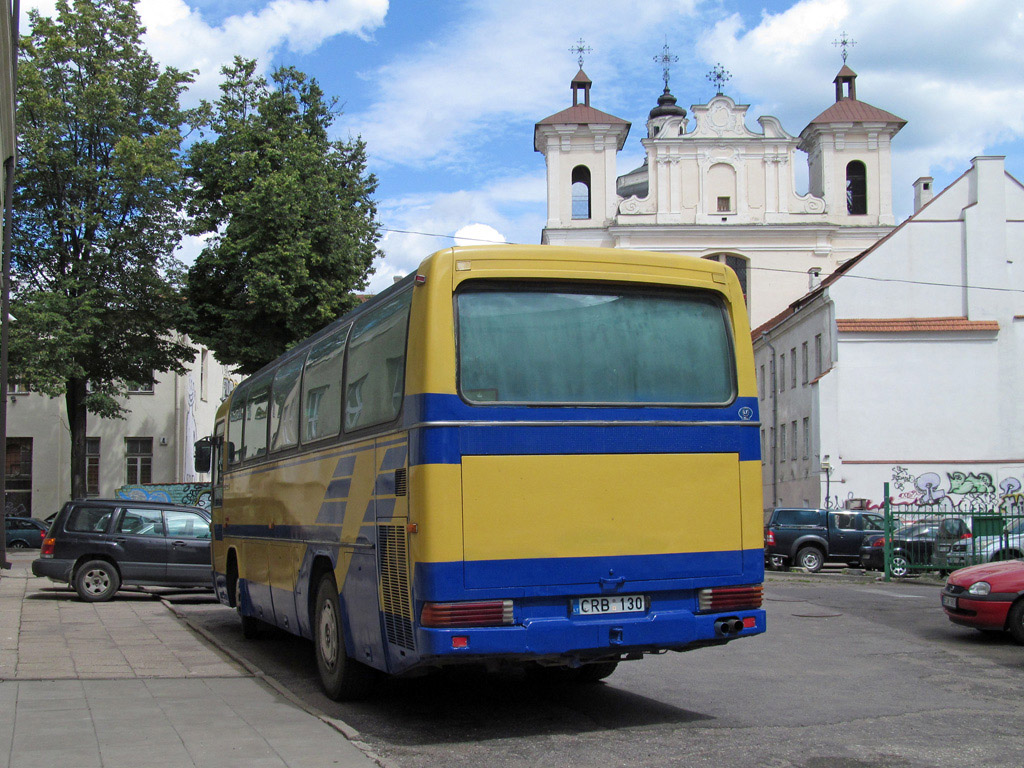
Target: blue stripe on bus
447,445
436,407
584,575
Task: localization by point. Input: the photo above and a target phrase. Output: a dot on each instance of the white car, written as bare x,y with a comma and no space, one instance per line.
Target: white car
985,549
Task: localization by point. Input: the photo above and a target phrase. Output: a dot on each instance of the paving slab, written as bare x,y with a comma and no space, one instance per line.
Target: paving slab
131,685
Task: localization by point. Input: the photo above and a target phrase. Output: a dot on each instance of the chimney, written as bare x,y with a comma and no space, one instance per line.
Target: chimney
923,192
813,278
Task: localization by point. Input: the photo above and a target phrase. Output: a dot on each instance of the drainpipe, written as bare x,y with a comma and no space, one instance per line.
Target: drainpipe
5,299
775,423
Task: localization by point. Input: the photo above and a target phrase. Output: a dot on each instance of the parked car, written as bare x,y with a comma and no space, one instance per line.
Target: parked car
1007,545
988,597
924,543
24,532
98,545
809,537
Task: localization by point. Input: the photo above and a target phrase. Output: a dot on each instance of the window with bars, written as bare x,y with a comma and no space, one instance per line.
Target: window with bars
92,466
138,460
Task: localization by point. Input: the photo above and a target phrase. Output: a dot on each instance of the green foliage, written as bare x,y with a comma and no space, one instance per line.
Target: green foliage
292,215
98,211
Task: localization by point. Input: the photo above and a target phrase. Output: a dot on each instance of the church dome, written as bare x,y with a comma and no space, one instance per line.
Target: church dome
666,106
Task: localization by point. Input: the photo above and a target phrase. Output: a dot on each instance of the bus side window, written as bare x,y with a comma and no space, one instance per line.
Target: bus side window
321,387
235,420
375,373
284,405
257,411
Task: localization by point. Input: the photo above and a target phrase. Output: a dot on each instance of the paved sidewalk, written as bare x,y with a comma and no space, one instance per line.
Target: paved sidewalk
125,683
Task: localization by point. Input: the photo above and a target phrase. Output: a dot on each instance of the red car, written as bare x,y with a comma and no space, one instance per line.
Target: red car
988,597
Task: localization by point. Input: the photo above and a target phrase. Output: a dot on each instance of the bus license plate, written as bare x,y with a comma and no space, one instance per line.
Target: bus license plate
948,601
587,606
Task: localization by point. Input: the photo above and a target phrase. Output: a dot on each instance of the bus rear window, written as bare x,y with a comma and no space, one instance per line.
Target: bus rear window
555,345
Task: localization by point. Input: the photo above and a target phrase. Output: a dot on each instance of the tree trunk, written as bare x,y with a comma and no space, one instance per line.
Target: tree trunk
74,398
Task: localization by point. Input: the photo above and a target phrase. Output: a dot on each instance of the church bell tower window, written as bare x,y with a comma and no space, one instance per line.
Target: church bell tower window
856,188
581,192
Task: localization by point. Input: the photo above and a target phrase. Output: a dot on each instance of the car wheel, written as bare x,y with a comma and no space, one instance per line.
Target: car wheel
250,624
19,544
343,678
1015,621
777,563
810,559
96,581
899,566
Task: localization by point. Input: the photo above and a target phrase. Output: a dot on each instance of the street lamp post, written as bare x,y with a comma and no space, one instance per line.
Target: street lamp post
826,467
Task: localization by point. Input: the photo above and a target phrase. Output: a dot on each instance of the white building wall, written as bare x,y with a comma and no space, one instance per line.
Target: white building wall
936,413
168,415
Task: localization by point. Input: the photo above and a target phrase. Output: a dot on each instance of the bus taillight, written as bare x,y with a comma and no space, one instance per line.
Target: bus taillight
730,598
482,613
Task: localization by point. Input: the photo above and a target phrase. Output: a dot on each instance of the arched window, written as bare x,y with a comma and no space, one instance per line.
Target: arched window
581,192
737,264
856,188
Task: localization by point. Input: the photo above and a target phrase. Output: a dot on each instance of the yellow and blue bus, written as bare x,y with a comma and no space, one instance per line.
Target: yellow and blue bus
546,457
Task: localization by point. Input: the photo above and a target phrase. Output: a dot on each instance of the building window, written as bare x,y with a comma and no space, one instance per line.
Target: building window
140,388
856,188
782,443
818,356
92,466
14,388
803,351
782,372
18,463
807,437
792,442
581,192
771,439
138,460
738,265
792,368
761,388
204,376
724,204
764,453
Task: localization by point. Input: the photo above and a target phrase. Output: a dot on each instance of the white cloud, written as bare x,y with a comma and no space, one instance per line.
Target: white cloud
950,68
503,62
504,210
178,35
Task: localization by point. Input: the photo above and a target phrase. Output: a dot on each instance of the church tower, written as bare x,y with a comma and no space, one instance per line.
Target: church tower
849,157
579,145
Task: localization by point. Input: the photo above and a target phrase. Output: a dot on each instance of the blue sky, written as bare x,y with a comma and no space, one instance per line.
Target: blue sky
446,93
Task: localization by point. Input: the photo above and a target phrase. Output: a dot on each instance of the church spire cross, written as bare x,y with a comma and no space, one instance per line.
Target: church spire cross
844,43
665,58
580,49
719,75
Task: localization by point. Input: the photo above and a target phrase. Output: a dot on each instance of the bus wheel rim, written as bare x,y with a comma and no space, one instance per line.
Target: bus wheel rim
328,635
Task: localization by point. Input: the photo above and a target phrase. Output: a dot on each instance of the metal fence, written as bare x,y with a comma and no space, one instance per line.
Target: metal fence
944,536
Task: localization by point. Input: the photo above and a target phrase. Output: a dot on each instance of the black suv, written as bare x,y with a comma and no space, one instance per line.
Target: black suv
100,544
809,537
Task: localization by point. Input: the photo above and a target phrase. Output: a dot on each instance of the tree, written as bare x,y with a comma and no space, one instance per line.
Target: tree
292,215
98,212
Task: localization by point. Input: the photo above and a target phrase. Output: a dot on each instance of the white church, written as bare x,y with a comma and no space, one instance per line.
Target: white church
711,187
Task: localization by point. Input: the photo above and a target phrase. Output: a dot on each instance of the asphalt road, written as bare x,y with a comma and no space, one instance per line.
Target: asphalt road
851,673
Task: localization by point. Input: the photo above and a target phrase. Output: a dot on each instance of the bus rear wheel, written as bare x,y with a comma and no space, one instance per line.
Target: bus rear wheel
343,678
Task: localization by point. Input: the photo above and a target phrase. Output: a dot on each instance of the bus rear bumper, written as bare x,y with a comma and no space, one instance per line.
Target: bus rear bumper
590,638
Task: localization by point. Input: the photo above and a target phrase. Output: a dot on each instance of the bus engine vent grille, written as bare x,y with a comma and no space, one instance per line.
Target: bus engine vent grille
394,582
401,481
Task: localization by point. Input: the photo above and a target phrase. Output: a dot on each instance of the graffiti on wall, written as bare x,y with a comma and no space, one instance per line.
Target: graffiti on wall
964,492
194,494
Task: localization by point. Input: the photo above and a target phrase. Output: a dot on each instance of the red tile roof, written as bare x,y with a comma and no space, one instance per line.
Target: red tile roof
854,111
581,114
914,324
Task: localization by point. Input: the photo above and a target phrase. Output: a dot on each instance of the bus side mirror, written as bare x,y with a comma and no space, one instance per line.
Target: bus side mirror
203,454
